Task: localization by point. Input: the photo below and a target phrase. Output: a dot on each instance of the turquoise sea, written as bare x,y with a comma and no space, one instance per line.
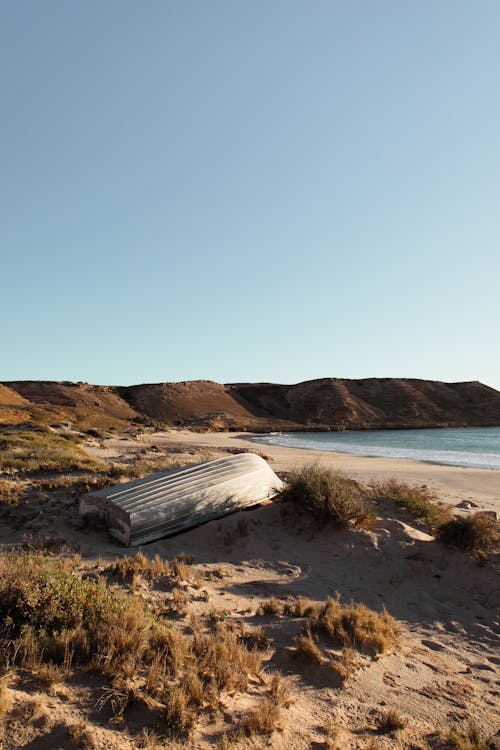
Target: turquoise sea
475,447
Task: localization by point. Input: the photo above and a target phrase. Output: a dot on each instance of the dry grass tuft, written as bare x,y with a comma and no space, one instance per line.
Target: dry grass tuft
419,500
279,690
180,713
11,491
254,637
51,674
346,664
307,647
468,739
477,533
327,495
300,607
356,626
263,719
81,734
128,567
149,740
391,721
51,620
270,606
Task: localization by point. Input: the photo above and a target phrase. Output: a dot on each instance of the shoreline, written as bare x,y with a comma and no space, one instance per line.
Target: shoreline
434,462
452,484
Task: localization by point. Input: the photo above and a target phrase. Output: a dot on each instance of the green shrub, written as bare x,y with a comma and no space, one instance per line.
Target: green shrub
327,495
47,608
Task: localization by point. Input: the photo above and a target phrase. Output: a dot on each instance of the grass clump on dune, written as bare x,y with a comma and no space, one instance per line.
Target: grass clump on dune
356,626
327,495
477,533
419,500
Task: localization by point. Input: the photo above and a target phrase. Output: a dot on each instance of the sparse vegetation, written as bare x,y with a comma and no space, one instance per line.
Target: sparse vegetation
477,533
468,739
41,449
391,721
418,500
52,619
265,718
327,495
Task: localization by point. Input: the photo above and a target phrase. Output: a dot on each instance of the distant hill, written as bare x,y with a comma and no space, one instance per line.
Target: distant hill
327,403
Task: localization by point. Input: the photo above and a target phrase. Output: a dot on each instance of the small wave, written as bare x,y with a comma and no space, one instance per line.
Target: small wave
464,459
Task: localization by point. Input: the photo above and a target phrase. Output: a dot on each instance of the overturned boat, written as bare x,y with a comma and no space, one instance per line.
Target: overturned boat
172,501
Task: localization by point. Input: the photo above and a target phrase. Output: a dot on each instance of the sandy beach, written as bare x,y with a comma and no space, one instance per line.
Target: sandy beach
442,673
452,484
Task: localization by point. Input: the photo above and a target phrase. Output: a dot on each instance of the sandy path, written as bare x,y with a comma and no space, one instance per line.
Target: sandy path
453,484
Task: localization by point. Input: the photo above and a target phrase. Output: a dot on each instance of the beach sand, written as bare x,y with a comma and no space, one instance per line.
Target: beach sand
444,672
452,484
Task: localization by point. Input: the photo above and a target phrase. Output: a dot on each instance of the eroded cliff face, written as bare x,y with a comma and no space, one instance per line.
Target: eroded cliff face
327,403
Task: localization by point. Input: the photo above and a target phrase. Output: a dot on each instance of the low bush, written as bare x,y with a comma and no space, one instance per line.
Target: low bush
419,500
479,532
327,495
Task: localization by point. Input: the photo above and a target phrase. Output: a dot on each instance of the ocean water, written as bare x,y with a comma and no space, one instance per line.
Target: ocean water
475,447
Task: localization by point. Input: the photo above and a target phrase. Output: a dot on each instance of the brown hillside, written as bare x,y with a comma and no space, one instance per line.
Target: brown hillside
86,405
327,403
11,406
9,397
377,403
75,395
199,403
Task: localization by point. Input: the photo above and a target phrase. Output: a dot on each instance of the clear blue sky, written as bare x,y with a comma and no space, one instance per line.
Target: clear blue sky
246,191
